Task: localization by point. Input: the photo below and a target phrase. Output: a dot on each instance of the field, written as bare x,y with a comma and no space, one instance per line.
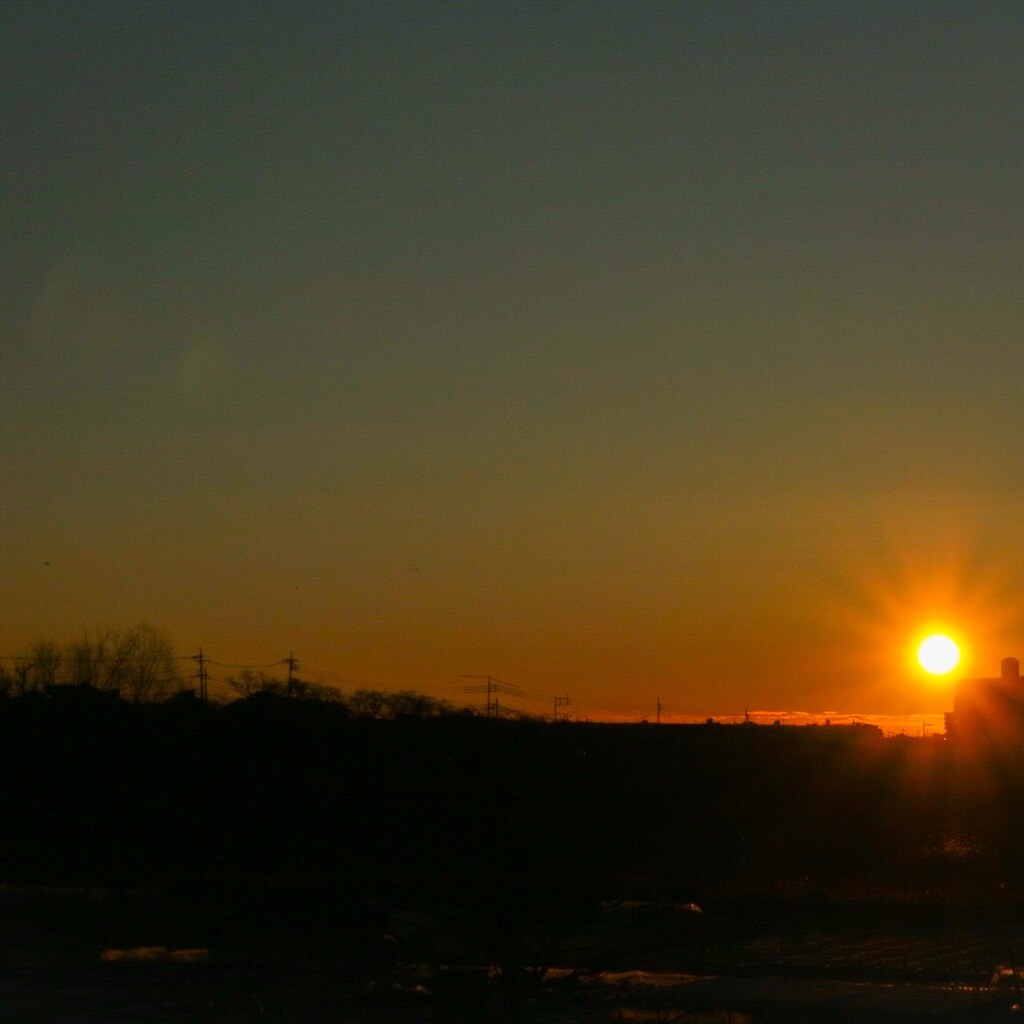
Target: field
803,958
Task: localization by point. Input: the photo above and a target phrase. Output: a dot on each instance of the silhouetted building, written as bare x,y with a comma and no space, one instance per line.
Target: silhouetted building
989,711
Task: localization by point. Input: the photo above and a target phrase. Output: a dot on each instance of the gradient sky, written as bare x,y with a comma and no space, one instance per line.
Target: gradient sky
618,350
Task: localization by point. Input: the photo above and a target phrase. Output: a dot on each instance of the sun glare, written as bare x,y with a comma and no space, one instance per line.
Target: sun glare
938,654
896,601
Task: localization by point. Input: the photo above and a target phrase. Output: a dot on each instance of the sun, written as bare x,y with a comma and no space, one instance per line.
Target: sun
938,654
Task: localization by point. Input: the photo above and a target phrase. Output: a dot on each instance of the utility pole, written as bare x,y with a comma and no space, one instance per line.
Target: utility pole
492,687
560,715
292,666
659,712
202,673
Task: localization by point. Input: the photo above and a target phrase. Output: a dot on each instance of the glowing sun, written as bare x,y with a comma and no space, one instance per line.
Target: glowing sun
938,654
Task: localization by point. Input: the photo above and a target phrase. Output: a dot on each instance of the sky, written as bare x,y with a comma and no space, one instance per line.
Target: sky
626,351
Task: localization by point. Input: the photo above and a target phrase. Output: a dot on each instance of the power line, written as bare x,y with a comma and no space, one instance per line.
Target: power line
224,664
492,687
61,656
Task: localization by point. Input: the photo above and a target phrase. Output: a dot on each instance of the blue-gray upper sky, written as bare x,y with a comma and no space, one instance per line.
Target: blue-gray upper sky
617,349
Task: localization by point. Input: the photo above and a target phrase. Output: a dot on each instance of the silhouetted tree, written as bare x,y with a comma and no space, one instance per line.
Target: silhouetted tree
137,662
39,668
249,682
409,702
367,703
401,704
304,690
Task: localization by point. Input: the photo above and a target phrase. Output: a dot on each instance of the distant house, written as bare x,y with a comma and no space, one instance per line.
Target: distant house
988,712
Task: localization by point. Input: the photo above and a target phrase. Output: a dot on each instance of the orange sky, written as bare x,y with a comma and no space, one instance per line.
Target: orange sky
621,352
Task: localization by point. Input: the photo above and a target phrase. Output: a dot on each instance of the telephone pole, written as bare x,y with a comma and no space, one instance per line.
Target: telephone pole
202,673
292,666
492,687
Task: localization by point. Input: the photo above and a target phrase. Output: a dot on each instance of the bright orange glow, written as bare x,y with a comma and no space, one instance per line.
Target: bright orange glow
938,654
895,599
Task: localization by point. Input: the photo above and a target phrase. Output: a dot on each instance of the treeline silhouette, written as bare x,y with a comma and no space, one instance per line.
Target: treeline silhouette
138,664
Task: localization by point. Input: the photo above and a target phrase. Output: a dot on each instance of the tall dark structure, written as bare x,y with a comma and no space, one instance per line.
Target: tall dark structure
988,712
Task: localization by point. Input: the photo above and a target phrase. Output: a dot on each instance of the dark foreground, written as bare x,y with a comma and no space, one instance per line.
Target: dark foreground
279,860
78,955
